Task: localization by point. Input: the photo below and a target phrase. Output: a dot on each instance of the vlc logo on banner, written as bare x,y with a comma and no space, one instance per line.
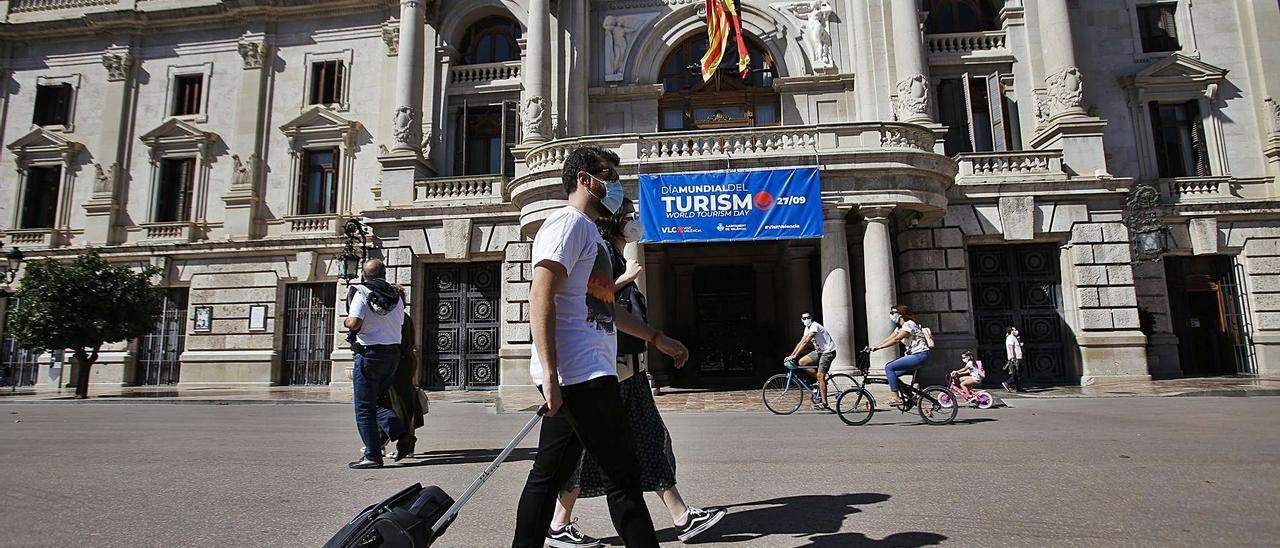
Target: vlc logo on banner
727,206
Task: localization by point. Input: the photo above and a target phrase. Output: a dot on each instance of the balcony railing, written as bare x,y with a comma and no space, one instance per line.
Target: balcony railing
172,232
32,237
304,224
1192,189
28,6
967,43
474,75
467,190
1022,163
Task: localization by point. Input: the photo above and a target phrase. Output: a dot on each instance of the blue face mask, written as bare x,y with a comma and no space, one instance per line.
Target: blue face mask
894,317
806,321
613,194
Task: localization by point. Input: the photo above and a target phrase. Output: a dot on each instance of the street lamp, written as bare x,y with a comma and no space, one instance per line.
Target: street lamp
352,257
13,261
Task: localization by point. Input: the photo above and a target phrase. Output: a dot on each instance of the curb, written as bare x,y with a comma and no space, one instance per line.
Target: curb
152,401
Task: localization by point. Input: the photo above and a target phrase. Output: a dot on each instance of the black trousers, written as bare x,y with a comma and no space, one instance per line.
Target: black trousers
592,418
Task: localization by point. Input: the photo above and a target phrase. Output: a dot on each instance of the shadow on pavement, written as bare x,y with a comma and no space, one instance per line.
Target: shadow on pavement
809,520
445,457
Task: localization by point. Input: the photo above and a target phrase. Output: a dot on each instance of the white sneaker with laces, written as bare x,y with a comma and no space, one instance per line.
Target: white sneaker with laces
699,521
570,536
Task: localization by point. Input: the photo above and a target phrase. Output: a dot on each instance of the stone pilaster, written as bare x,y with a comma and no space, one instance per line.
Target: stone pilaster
535,106
244,194
911,64
517,343
1112,346
102,208
1261,260
837,290
882,294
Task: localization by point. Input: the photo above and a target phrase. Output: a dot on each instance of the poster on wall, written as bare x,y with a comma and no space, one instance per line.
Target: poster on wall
258,317
770,204
203,319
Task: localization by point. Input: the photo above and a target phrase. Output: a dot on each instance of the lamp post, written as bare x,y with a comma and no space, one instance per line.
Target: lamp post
13,261
352,258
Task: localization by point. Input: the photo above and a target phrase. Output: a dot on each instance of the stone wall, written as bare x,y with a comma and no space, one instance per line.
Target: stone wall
1101,278
933,279
517,275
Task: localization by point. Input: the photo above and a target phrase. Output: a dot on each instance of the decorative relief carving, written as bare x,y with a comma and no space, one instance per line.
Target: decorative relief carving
1066,91
1273,107
533,118
1042,107
253,53
244,171
913,99
816,18
391,37
633,4
619,35
117,64
104,180
405,128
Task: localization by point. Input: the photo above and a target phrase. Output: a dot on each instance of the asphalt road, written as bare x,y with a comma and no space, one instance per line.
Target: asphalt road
1062,472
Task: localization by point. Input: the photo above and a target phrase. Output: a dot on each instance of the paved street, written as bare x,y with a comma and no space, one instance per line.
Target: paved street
1046,472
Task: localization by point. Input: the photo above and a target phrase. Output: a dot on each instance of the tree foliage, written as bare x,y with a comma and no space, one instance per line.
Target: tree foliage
83,305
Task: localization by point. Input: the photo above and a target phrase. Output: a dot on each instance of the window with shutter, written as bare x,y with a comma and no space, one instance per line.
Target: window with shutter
174,190
318,189
188,94
326,82
40,199
1178,134
1158,28
53,105
973,109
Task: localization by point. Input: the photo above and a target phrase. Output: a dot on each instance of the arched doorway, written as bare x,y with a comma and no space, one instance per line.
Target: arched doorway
726,100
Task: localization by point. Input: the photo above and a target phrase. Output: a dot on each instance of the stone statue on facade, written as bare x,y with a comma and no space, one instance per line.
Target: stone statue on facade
533,117
617,31
405,128
242,175
103,178
117,64
816,32
913,99
1066,90
253,54
391,36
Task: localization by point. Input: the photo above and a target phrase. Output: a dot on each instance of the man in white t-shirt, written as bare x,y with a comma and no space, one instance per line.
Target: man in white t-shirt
572,321
1013,363
376,315
824,352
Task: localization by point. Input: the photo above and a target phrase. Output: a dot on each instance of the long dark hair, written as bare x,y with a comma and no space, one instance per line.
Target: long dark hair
611,227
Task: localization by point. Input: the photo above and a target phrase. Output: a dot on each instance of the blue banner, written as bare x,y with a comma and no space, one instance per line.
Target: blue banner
728,206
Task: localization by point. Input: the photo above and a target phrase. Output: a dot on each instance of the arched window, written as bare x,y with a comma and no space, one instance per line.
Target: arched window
727,100
491,40
952,16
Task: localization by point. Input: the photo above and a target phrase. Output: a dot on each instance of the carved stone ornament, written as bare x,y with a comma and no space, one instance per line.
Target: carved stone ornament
533,117
405,128
391,37
428,136
244,171
815,18
1042,107
104,180
1273,108
913,98
619,35
1142,216
1066,90
253,53
117,64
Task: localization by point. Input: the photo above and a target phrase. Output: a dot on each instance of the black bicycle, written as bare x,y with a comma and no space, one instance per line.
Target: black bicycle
855,406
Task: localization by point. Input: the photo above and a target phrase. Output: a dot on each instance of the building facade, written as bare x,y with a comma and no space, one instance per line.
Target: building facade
989,163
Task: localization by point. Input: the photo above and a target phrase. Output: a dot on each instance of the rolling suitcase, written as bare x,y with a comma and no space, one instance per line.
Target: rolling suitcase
416,516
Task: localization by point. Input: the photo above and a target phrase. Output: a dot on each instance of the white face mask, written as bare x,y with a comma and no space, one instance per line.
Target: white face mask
632,231
806,321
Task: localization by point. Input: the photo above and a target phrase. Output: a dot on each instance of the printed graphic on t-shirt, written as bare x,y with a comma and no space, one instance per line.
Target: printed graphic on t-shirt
600,292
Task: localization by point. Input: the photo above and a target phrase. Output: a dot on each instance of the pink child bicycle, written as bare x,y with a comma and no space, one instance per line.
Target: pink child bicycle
978,398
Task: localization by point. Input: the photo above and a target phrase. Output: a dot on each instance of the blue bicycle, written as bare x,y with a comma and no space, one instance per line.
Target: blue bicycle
783,393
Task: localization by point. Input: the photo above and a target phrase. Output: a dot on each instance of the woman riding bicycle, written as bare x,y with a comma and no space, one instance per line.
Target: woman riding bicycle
909,333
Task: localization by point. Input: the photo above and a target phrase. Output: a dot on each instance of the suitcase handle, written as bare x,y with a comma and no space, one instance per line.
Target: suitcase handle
452,512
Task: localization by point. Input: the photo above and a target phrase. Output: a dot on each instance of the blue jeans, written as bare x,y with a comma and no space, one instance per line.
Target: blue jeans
375,368
902,365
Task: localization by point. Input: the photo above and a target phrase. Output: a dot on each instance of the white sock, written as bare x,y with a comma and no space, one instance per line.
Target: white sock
558,525
683,519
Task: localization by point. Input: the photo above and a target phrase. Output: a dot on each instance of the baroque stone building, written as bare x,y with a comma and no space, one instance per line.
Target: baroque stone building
989,163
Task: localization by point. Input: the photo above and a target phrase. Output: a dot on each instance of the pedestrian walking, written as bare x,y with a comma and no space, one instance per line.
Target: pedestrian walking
404,388
1013,363
376,315
824,352
572,323
649,436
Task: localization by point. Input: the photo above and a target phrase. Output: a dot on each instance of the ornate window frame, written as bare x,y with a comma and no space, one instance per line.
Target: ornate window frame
178,139
74,81
170,96
345,56
42,147
1183,17
318,128
1177,79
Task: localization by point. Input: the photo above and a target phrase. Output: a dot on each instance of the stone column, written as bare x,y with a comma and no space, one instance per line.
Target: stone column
837,290
242,197
408,118
910,63
102,208
1064,80
882,294
535,108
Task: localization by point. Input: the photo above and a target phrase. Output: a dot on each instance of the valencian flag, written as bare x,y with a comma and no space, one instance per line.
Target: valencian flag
720,15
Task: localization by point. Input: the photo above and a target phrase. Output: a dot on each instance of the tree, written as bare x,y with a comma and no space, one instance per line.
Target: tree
83,305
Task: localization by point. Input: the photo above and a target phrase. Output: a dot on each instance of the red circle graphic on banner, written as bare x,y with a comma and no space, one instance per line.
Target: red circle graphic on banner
764,201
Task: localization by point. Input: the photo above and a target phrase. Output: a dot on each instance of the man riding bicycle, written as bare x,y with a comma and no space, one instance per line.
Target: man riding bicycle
824,352
911,335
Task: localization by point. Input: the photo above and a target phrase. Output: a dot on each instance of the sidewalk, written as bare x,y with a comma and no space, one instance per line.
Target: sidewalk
670,401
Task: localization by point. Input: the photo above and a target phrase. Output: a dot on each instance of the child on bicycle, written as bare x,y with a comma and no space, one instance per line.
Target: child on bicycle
970,375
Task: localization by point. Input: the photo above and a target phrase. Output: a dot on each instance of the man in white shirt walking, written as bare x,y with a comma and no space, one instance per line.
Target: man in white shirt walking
824,352
376,315
1013,355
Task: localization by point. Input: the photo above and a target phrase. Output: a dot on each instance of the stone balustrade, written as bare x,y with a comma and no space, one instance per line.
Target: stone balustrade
466,190
29,6
1021,163
313,224
472,75
179,231
966,43
29,238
